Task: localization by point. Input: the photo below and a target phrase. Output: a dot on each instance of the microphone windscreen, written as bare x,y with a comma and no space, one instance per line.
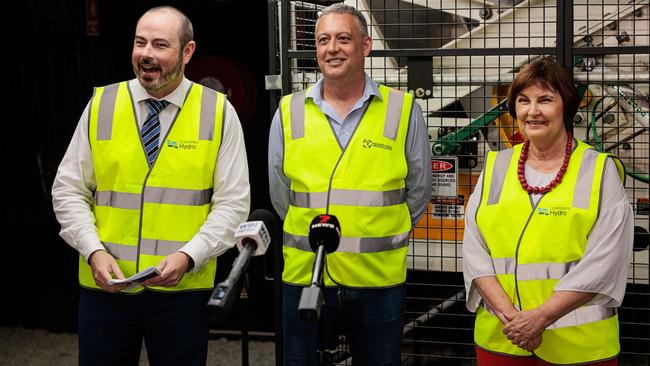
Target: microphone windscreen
325,230
271,222
265,216
259,230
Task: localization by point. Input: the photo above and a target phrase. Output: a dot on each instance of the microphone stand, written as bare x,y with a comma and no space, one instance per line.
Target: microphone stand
243,298
322,344
312,300
236,281
324,237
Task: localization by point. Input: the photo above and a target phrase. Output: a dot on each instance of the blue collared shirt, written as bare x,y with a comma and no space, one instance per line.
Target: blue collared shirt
418,151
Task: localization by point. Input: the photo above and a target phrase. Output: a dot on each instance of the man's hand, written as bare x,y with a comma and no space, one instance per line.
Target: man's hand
172,269
104,268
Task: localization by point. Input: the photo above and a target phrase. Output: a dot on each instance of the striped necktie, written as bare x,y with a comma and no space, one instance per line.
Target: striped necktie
150,131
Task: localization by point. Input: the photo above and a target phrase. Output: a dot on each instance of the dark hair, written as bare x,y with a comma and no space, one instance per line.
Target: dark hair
186,31
548,74
346,9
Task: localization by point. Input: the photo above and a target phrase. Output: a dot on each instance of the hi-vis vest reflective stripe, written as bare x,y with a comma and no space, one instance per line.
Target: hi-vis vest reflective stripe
363,185
142,214
533,247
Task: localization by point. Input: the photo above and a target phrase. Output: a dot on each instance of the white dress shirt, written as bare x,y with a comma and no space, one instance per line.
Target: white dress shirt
72,192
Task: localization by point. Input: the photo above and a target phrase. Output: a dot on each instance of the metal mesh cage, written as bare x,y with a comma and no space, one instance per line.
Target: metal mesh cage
458,58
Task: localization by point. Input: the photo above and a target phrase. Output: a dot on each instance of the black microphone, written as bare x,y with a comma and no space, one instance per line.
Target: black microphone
324,230
252,240
324,237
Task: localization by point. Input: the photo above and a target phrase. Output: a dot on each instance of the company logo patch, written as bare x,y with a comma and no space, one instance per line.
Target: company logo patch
554,211
183,145
559,211
367,143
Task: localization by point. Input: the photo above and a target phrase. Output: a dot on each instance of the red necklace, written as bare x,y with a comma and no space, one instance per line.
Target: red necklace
521,169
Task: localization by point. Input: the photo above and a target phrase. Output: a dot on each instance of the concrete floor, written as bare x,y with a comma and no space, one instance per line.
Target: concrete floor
35,347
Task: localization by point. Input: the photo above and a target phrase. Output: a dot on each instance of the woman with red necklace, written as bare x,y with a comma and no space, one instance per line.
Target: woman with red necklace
548,236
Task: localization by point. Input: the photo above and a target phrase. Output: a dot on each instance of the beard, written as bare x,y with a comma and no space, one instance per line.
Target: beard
166,78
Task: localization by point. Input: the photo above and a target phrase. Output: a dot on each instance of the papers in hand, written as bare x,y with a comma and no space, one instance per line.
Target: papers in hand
136,278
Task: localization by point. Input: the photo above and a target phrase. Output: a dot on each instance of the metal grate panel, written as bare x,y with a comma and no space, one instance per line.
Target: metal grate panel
458,58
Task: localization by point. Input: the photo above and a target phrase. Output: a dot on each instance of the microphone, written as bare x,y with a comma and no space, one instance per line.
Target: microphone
252,240
324,237
325,230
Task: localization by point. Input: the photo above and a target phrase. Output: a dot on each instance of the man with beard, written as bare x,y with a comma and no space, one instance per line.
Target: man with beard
155,176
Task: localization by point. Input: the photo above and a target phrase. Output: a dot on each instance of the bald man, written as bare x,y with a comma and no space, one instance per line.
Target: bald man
155,176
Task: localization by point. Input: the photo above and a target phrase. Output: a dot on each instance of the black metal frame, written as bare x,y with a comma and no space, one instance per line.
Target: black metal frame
563,51
280,62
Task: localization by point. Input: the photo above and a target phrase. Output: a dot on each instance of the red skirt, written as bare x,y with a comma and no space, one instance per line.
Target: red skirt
487,358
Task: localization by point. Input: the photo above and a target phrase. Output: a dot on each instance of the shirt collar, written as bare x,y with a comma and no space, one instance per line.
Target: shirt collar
370,89
177,97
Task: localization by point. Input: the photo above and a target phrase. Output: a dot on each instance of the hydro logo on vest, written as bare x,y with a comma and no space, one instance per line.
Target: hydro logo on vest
183,145
554,211
367,143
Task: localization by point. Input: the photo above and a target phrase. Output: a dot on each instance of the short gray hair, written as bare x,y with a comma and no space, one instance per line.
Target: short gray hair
346,9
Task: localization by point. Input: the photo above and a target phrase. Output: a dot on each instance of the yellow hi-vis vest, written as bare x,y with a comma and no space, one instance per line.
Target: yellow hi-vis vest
363,184
142,214
533,247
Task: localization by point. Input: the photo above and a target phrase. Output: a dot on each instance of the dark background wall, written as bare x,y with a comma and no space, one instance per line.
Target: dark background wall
54,66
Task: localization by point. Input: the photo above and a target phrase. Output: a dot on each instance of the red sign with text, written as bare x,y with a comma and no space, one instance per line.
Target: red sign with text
440,166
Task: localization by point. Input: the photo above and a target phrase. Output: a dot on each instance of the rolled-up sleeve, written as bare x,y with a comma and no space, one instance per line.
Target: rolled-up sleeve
476,255
604,266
